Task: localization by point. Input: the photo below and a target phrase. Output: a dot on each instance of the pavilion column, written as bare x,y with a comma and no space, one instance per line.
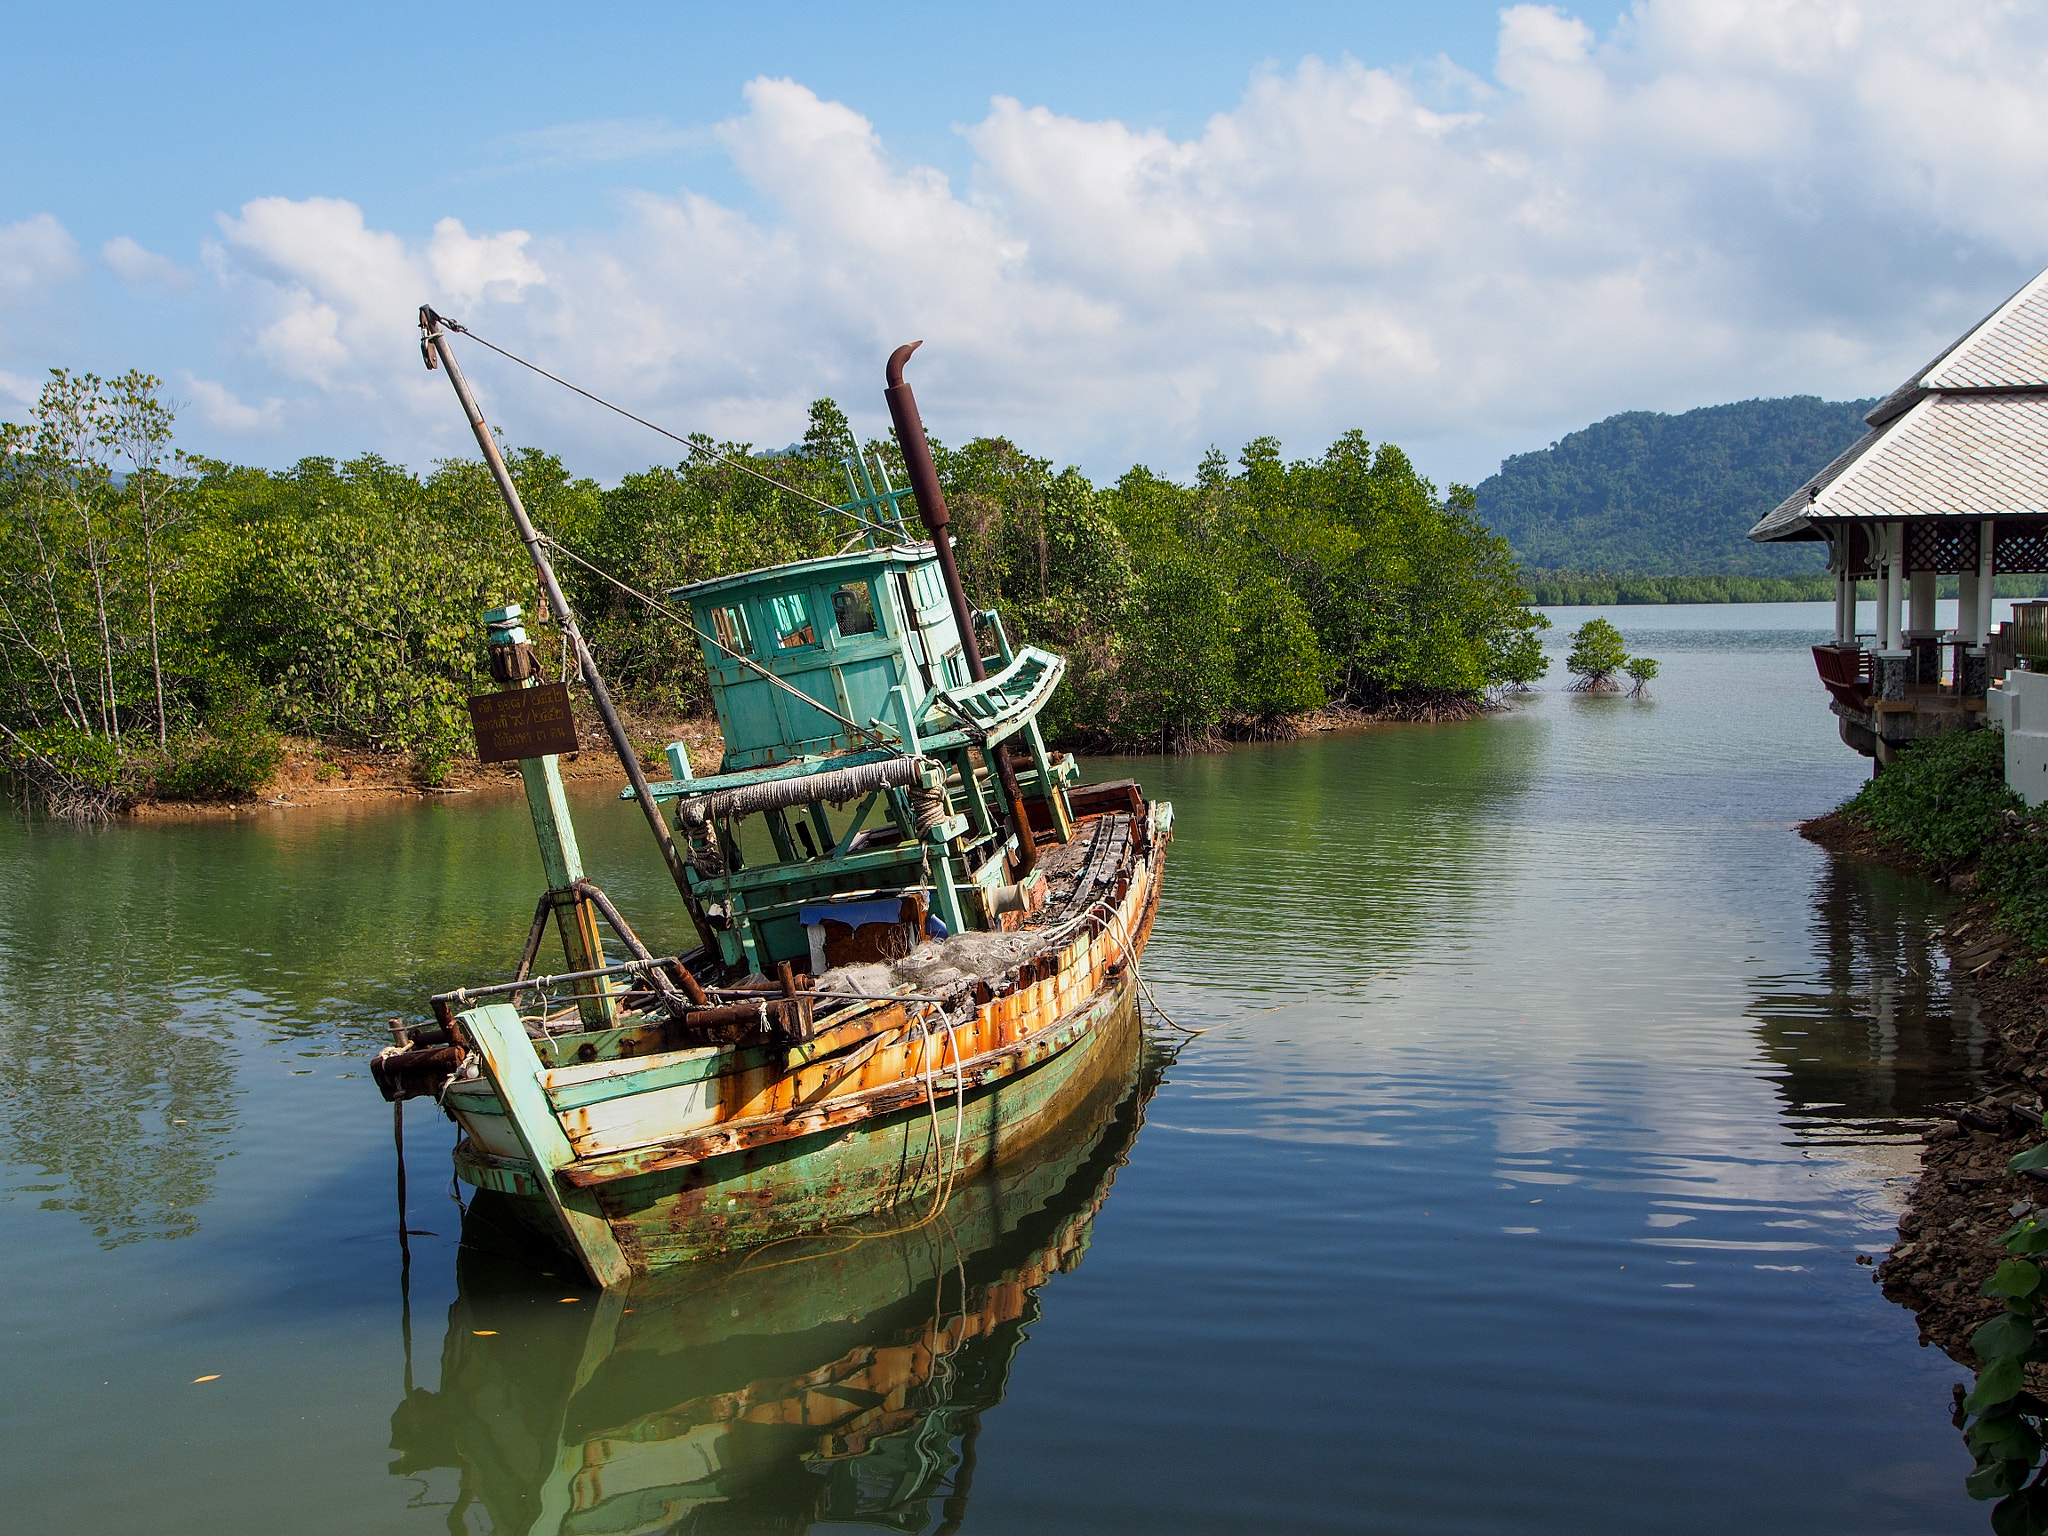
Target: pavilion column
1923,632
1845,600
1893,665
1986,582
1890,631
1974,591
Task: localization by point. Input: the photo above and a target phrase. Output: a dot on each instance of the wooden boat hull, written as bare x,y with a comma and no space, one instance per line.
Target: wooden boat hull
874,1176
675,1157
832,1378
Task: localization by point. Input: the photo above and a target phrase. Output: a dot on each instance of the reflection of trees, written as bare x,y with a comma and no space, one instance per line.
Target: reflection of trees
1886,1034
823,1382
111,1096
1396,831
138,962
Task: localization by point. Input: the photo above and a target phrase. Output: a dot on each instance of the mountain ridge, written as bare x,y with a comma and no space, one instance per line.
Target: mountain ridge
1648,493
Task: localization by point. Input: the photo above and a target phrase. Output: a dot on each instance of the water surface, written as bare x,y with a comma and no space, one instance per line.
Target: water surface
1551,1088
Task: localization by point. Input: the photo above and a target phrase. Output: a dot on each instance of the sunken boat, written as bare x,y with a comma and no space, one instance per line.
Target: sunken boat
918,932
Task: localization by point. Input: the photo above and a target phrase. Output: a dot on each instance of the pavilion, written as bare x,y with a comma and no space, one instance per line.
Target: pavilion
1952,479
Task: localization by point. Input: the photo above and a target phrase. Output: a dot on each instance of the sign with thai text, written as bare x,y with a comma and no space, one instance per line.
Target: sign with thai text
523,722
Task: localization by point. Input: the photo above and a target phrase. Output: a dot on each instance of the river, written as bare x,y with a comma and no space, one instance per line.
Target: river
1551,1088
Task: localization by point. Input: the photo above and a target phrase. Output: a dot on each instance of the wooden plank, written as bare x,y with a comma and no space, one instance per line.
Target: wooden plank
496,1034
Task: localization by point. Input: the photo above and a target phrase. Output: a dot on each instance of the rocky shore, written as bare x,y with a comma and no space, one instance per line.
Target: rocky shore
1964,1198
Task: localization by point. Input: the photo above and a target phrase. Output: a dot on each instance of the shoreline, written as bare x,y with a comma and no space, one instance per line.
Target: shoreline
313,772
1963,1198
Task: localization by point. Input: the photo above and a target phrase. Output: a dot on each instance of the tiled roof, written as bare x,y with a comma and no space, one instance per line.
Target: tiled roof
1949,456
1966,436
2007,351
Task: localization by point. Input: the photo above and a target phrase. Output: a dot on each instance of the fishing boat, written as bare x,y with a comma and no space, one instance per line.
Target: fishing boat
825,1381
917,929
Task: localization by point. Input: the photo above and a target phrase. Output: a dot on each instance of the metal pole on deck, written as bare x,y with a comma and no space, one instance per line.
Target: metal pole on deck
931,508
433,346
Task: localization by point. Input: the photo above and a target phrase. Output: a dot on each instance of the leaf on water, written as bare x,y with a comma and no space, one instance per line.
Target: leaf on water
198,1379
2008,1335
485,1333
571,1298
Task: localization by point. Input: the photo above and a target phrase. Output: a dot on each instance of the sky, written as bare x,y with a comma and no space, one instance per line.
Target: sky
1124,233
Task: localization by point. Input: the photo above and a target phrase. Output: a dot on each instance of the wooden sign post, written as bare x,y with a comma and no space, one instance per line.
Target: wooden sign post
530,722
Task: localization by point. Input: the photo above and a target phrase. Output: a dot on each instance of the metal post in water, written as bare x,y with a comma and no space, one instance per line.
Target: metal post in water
433,346
931,508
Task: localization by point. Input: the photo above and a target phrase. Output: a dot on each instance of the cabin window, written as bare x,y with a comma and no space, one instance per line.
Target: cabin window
729,628
791,613
853,609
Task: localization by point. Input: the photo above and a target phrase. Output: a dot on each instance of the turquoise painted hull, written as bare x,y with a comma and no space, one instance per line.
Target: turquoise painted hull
843,1373
876,1176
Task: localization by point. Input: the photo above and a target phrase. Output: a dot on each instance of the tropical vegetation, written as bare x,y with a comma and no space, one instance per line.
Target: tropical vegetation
1670,495
164,617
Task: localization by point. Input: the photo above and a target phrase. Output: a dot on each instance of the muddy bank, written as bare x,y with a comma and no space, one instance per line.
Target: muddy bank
315,773
1964,1198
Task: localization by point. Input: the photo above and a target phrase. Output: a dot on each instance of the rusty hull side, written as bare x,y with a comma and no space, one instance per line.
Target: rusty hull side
800,1152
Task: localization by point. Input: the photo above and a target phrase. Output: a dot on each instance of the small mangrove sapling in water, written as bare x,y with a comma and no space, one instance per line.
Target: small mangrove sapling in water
1642,669
2003,1419
1597,654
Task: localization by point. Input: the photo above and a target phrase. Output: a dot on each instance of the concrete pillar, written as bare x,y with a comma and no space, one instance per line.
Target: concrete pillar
1966,609
1986,579
1845,605
1923,637
1922,619
1895,562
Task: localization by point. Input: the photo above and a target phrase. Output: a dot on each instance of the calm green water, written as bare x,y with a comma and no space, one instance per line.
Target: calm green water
1552,1087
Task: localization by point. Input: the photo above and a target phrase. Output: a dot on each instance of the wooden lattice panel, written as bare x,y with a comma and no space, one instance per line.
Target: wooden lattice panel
1947,546
2020,546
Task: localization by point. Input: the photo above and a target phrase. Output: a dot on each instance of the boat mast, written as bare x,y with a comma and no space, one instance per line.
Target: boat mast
433,345
931,508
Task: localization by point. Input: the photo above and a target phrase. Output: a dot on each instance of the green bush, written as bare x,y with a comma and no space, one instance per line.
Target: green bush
85,757
1946,802
219,768
237,753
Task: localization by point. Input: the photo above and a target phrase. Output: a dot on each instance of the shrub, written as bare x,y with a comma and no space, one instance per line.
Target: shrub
1597,654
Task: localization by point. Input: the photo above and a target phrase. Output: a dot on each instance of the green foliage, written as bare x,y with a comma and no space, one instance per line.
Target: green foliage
1945,801
2004,1423
91,759
1597,653
1674,495
1576,589
164,627
1569,589
1642,670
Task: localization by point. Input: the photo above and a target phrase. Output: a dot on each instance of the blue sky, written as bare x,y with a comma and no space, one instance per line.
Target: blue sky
1125,232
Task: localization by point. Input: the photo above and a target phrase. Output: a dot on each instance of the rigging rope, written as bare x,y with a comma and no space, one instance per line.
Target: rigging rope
694,446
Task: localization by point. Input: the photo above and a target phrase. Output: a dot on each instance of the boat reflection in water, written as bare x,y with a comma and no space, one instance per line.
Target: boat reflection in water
839,1378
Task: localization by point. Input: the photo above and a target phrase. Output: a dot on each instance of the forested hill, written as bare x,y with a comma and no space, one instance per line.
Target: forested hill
1647,493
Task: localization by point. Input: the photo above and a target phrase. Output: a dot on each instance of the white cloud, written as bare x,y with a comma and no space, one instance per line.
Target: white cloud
142,269
218,407
1718,199
466,265
36,254
598,143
